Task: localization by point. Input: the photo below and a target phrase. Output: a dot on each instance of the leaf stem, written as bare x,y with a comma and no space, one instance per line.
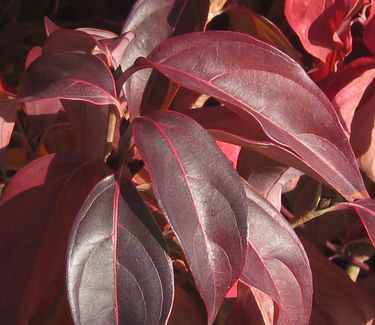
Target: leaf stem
309,216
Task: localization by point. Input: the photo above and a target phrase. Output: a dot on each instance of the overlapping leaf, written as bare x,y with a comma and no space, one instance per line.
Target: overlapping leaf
276,263
337,300
153,22
266,85
8,114
309,19
66,75
118,272
202,197
37,211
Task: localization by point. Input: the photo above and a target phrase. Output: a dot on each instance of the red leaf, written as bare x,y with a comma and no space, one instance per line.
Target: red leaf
201,195
37,211
323,26
231,151
67,75
118,273
363,133
171,17
337,300
369,31
346,88
276,262
267,86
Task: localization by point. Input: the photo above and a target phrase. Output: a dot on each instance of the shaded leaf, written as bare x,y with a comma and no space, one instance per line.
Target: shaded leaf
8,115
366,211
114,233
67,75
369,31
244,20
202,198
37,211
309,19
267,176
268,86
347,87
171,17
363,133
276,262
337,300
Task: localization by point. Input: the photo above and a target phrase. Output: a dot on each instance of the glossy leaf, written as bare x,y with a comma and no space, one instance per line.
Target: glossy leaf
268,86
66,75
369,31
117,269
171,17
202,198
37,211
309,19
276,262
337,300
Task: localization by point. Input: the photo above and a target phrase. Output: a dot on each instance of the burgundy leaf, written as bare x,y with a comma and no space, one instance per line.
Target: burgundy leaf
49,26
225,125
8,115
118,273
202,197
322,26
37,211
69,40
67,75
114,48
90,126
267,176
33,54
346,88
153,22
276,262
366,211
337,300
268,86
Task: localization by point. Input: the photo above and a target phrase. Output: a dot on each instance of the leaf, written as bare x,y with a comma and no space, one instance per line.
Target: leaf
244,20
8,115
347,87
269,87
172,17
37,211
366,212
225,125
201,196
63,39
90,126
117,270
369,31
363,132
337,300
230,151
276,262
268,177
309,19
65,75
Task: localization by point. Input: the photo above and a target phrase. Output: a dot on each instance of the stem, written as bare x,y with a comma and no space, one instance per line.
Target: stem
309,216
360,253
110,133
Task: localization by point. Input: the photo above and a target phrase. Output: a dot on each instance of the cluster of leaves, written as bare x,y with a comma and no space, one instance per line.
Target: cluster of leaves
155,175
